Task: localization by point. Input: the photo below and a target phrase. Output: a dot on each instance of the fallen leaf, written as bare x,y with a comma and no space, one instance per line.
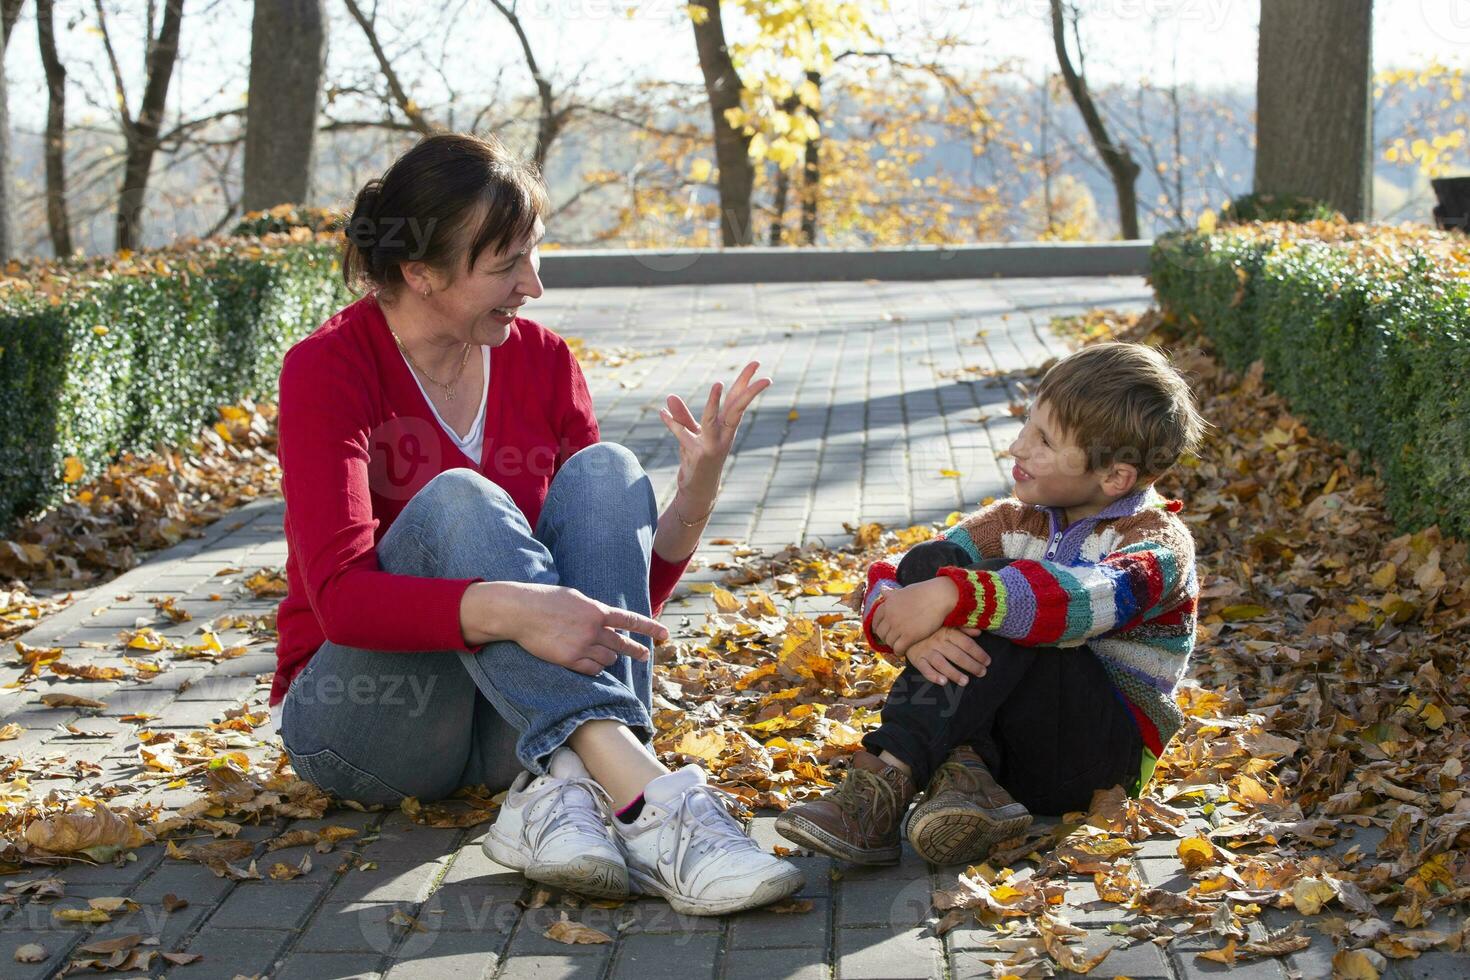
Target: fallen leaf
565,931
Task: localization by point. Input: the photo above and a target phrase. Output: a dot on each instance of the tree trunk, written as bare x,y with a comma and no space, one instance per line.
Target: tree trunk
1122,168
288,50
142,132
778,206
57,220
811,173
723,86
1314,115
9,13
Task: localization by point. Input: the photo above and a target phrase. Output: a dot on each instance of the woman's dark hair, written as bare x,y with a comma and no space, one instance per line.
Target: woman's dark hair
421,209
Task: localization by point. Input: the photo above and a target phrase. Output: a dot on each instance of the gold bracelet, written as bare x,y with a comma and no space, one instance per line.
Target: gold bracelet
675,507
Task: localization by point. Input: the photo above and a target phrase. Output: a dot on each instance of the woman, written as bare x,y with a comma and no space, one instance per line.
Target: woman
464,555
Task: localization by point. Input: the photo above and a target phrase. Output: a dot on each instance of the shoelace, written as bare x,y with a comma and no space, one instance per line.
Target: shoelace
721,831
860,793
954,775
583,818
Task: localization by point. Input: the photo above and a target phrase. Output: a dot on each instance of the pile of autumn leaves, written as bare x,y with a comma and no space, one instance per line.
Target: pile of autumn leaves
139,503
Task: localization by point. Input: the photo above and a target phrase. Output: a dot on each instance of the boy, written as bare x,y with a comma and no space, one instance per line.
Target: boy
1081,590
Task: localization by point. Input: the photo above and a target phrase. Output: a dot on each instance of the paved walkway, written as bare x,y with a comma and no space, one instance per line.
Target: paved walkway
878,388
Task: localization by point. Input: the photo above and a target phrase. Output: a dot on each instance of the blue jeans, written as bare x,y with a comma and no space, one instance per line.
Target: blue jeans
375,726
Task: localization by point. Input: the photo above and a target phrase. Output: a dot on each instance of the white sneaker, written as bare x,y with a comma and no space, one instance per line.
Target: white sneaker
688,848
552,829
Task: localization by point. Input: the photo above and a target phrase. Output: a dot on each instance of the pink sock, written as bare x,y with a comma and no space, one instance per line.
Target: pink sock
630,812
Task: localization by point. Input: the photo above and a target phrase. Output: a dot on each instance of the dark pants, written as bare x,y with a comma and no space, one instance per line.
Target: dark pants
1048,722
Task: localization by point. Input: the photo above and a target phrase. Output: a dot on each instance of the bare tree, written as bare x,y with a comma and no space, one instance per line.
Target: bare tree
1314,116
288,51
9,14
141,131
58,224
723,85
1122,168
550,118
417,121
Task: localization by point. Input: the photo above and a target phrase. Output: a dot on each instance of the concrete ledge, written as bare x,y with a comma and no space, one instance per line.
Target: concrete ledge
683,267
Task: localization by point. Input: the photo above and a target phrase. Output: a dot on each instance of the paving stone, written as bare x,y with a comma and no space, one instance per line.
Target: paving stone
761,929
817,870
777,964
351,927
191,714
896,905
882,954
399,840
391,881
435,953
473,908
555,967
683,956
218,687
1434,965
338,966
148,859
1164,873
231,952
473,866
267,904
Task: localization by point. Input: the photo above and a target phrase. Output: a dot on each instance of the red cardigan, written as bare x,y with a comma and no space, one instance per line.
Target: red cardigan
357,440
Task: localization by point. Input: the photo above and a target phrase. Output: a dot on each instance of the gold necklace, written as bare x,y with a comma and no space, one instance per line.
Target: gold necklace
447,387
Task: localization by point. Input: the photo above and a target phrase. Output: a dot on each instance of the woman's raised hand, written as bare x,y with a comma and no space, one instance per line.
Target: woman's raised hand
704,445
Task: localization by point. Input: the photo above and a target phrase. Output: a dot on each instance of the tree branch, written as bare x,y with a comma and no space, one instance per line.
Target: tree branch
405,104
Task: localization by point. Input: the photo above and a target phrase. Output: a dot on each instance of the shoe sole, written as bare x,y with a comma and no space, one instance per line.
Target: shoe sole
585,875
960,834
800,830
772,890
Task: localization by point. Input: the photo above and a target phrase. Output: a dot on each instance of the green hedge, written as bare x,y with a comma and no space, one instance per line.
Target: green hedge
133,351
1365,330
1278,207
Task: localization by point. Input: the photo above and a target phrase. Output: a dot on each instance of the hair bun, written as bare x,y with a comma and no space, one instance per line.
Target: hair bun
362,228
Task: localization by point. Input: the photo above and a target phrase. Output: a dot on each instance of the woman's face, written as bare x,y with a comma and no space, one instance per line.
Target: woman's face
483,299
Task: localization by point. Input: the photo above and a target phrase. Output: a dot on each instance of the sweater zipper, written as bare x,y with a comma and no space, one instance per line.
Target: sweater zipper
1056,536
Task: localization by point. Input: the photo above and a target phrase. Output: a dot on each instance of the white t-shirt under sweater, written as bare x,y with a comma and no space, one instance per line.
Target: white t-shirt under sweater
471,443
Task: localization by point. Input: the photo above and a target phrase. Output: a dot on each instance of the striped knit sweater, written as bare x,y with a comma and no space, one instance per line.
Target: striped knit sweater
1122,581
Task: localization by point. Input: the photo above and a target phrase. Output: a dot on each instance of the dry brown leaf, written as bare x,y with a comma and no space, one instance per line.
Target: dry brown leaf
566,931
31,953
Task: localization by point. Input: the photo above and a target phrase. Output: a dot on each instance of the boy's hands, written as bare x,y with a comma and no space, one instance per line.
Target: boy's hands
914,612
949,655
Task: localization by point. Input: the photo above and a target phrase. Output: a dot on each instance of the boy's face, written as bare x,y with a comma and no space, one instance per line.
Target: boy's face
1051,470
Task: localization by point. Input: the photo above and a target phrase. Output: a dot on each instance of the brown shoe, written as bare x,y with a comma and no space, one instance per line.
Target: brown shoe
965,812
857,820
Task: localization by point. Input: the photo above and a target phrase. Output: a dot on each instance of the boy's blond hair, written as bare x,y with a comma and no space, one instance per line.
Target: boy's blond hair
1124,403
